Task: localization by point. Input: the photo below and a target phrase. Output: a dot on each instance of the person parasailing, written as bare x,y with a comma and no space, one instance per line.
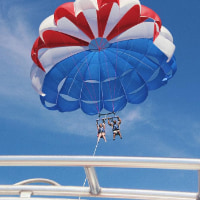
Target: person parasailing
101,131
115,127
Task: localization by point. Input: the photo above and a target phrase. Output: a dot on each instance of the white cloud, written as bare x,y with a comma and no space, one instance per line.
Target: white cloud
15,44
16,40
134,115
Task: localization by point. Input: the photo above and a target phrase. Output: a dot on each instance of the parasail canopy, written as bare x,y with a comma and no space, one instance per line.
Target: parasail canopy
101,54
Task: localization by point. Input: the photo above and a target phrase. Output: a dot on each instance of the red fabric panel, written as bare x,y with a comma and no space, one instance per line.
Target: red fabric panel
149,13
67,10
102,16
58,39
54,39
39,44
130,19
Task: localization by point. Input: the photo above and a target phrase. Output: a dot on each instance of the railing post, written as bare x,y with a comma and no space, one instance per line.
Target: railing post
92,180
25,194
198,195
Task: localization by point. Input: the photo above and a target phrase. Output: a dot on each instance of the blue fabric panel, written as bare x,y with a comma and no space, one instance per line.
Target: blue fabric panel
146,68
93,67
50,88
53,78
158,81
143,47
137,45
166,68
112,89
67,106
142,65
64,67
107,64
130,57
57,74
91,109
43,101
173,65
51,95
154,52
139,96
134,54
117,105
78,71
80,68
91,92
119,64
131,81
72,87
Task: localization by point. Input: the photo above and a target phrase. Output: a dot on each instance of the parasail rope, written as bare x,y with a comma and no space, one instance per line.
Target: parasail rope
93,156
95,148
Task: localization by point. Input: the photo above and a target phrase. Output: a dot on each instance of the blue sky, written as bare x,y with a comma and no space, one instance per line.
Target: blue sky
167,124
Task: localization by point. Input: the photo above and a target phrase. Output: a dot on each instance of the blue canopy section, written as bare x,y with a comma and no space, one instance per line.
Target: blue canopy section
108,79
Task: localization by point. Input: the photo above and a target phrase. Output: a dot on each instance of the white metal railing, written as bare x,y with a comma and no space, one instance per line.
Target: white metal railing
27,192
102,161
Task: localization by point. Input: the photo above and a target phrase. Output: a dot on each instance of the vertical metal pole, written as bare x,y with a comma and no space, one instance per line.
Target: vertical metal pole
198,195
25,194
92,180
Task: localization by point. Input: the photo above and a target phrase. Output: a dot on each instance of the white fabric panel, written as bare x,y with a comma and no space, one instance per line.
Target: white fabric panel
165,33
165,45
48,59
81,5
91,17
113,19
47,24
37,78
157,28
126,5
117,12
143,30
54,55
66,26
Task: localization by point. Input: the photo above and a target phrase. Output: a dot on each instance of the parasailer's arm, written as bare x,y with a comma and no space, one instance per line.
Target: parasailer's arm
119,121
109,123
97,125
104,125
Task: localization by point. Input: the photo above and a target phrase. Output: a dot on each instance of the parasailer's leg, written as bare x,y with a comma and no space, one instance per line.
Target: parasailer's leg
113,136
117,133
101,135
120,135
98,138
104,137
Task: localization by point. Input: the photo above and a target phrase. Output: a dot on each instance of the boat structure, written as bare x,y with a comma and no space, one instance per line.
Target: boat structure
51,190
